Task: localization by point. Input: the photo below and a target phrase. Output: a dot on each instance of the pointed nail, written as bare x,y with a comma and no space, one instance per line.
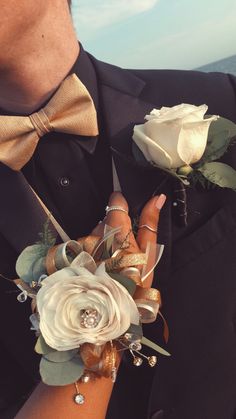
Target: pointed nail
160,201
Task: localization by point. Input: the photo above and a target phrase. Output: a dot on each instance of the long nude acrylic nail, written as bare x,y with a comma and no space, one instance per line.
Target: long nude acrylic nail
160,201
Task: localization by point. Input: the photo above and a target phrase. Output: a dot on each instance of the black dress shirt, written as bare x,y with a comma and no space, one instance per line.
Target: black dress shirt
72,174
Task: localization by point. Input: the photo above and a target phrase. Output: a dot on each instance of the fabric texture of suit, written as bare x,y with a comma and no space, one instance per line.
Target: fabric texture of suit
196,275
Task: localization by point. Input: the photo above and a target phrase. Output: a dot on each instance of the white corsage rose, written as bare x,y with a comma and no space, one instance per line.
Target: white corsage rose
77,306
174,137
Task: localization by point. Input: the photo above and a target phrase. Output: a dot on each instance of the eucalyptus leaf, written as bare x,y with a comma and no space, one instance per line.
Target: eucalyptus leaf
25,263
219,173
128,283
61,356
154,346
42,347
39,268
222,133
61,373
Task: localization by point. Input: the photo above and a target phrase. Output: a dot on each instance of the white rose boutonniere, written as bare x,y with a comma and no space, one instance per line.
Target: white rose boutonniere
174,137
185,142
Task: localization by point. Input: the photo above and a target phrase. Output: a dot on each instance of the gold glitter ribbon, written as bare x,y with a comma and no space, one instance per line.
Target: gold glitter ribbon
125,260
148,301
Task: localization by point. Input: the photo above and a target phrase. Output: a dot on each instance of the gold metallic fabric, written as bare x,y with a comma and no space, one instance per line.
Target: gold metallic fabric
71,110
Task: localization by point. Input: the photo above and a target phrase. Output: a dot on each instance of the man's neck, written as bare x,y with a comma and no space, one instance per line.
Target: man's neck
37,63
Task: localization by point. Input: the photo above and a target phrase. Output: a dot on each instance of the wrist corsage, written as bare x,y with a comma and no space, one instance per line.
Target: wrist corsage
88,305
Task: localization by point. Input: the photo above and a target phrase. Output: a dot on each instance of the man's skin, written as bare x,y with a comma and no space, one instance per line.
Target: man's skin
38,47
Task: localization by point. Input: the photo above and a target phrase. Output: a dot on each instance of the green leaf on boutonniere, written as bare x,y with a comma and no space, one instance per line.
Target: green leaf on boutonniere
197,177
61,373
222,133
128,283
30,264
42,347
219,173
153,345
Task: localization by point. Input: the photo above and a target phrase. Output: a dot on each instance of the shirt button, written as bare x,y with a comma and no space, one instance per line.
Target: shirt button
64,181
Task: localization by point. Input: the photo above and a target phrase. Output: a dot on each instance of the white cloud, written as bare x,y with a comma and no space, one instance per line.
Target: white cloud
101,13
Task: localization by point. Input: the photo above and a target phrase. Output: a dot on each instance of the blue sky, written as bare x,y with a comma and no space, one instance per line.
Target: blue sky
157,33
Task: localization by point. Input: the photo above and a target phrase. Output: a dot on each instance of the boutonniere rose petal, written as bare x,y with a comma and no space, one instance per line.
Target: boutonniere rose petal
174,137
76,306
186,143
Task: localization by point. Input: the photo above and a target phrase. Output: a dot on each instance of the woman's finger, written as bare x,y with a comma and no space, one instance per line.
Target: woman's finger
147,233
119,218
115,218
148,222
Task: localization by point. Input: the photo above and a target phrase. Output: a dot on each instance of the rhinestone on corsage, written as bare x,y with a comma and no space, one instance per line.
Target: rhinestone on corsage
79,398
90,318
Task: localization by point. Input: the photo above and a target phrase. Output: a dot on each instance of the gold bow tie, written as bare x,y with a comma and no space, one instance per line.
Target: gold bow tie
71,110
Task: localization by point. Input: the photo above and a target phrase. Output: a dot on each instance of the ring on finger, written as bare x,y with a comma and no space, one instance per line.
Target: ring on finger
153,230
115,208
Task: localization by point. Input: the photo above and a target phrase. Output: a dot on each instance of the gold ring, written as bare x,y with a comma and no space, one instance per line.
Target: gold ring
148,228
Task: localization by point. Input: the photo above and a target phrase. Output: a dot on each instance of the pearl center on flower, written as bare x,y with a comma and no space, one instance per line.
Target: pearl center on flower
89,318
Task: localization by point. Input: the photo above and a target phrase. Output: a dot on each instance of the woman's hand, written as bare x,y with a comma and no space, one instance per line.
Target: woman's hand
147,227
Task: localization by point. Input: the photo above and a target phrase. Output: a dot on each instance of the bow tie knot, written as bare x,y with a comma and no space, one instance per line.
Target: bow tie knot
40,123
71,110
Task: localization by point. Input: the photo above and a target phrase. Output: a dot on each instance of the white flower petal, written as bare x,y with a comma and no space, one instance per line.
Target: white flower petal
175,136
151,150
193,140
70,291
166,136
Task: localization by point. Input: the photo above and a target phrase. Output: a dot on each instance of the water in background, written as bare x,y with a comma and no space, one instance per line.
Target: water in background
227,65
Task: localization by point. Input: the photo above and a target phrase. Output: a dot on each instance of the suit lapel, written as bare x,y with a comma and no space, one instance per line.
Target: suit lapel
21,216
122,108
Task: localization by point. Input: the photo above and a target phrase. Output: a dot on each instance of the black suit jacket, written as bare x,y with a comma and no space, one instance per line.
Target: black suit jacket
196,275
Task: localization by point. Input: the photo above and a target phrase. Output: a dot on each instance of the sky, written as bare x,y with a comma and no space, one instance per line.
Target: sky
183,34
